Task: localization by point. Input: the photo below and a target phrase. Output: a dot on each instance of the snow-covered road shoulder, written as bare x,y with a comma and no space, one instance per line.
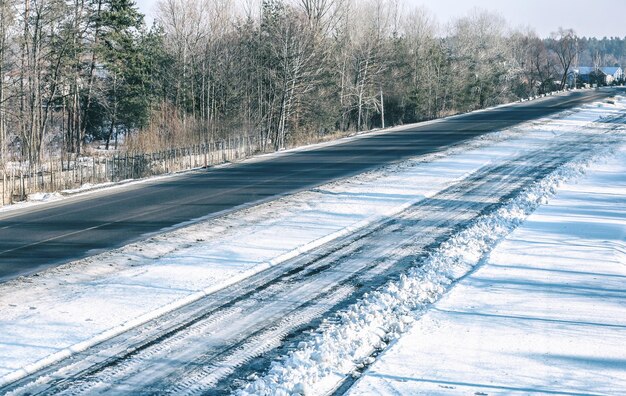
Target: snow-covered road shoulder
345,345
545,314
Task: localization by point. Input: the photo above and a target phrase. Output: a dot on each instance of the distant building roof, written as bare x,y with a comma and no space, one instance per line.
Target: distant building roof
585,70
610,70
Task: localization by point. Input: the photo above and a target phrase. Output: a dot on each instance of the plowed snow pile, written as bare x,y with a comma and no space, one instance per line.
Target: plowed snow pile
546,313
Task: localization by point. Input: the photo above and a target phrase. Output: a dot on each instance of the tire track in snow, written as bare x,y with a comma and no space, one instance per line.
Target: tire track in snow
312,369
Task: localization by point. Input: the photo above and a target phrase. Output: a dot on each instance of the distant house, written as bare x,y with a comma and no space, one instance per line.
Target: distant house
595,75
612,74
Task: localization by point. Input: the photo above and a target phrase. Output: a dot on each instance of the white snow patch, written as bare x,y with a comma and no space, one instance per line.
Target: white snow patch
339,348
44,197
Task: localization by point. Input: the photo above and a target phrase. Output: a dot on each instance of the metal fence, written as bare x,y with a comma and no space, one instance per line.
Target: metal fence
22,180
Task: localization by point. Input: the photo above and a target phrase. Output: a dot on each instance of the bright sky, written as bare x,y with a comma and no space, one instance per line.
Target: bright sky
587,17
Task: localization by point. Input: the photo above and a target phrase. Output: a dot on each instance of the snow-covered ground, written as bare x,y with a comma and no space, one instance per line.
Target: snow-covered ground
544,314
347,344
51,315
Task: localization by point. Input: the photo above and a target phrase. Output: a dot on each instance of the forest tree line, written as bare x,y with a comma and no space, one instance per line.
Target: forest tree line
287,71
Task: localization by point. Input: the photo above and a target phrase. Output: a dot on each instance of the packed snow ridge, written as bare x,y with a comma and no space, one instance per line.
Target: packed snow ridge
343,347
544,313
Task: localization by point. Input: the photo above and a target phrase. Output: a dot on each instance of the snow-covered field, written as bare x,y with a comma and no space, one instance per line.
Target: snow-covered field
544,314
54,314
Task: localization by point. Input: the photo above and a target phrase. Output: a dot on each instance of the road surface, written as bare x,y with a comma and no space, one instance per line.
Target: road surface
33,239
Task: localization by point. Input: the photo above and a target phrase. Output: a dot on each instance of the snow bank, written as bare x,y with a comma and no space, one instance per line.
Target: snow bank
348,343
60,311
545,314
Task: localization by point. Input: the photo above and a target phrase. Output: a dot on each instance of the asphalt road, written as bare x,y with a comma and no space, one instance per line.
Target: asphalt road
33,239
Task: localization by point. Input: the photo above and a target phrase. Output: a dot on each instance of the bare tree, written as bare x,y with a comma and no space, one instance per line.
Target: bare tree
534,64
479,55
368,29
564,44
425,69
7,16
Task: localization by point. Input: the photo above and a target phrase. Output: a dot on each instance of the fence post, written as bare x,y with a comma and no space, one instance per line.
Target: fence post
12,183
22,192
